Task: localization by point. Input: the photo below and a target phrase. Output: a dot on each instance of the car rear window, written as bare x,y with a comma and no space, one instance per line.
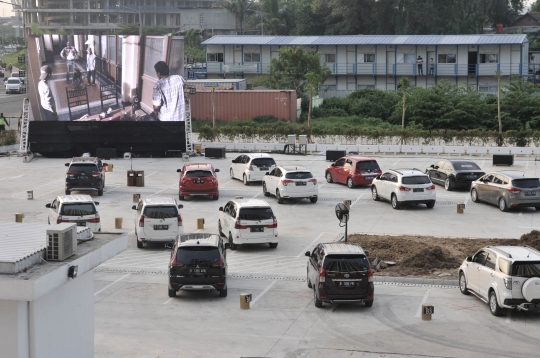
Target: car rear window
347,263
465,166
198,173
263,162
197,255
369,165
526,183
256,214
78,209
420,179
14,82
298,175
83,168
160,212
526,269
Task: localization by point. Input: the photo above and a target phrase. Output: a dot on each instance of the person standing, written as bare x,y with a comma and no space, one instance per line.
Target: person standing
70,54
3,122
10,69
419,62
168,94
91,67
431,65
47,100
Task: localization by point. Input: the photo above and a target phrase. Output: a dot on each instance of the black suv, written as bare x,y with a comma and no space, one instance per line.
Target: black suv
85,173
340,272
198,263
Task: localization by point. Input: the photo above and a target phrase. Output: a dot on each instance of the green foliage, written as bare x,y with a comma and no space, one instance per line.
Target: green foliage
61,31
8,137
35,30
239,8
192,46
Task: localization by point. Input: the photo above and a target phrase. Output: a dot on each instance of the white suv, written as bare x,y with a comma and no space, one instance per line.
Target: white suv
251,167
14,84
291,181
503,277
404,186
157,220
76,209
248,221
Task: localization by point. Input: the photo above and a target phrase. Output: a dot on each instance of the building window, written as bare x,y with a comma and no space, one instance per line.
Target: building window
406,58
330,58
369,57
252,57
365,86
489,89
214,57
489,58
446,58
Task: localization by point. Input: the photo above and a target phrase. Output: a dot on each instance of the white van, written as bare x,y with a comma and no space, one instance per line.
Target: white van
75,209
157,220
14,84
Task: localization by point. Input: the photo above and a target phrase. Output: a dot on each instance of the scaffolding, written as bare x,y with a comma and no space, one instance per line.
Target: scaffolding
189,142
23,149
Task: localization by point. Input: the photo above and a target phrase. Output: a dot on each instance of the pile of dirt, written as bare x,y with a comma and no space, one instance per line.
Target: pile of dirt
428,256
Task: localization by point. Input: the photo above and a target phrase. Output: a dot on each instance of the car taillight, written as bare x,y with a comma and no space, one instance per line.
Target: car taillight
70,174
179,220
176,263
313,180
184,181
285,182
508,282
59,220
274,224
238,226
95,174
432,187
402,188
514,190
214,181
141,221
251,168
370,275
95,220
221,263
322,275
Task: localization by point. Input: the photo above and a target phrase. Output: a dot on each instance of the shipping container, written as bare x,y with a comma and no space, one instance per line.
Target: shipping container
244,105
219,84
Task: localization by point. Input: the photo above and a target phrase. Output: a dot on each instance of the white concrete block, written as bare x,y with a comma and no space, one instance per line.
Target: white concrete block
325,147
498,150
348,147
522,150
373,148
227,146
477,150
454,149
312,147
432,149
244,146
411,149
265,146
390,148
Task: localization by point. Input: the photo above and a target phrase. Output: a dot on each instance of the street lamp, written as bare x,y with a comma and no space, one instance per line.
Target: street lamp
138,11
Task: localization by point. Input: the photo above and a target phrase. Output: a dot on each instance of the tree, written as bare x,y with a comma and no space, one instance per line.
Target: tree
313,79
192,46
238,8
498,75
535,7
404,87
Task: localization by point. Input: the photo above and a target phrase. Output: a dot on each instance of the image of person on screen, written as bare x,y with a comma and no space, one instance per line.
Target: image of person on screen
168,94
45,94
70,54
91,68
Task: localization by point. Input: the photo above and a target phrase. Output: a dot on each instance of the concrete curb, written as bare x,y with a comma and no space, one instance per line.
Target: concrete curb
416,280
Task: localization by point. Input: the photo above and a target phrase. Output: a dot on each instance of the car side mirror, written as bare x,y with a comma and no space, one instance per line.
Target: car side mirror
67,164
432,166
134,207
221,208
105,164
308,254
378,177
227,246
96,202
468,259
48,205
267,173
180,206
168,246
333,164
234,160
216,170
179,170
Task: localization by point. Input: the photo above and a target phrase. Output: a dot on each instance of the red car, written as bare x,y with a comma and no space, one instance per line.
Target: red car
353,170
198,179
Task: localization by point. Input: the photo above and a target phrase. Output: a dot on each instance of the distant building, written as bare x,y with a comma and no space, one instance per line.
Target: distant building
528,23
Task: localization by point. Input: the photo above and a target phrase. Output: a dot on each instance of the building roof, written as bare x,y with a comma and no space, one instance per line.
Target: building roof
491,39
19,242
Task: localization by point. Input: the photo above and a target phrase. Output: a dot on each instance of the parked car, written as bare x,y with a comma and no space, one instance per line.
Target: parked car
252,167
290,181
248,221
404,186
353,170
14,84
157,220
85,173
507,189
503,277
340,272
198,179
198,263
454,173
76,209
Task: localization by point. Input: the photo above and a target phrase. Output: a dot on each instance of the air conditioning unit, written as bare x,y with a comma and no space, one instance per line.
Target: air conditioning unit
61,241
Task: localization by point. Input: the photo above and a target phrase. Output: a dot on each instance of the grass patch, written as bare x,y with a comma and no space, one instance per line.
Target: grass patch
13,59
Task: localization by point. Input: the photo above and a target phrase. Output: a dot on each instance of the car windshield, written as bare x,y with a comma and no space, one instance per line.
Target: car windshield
13,82
197,254
298,175
263,162
346,263
78,209
526,269
160,212
465,166
526,183
420,179
198,173
83,168
371,165
256,214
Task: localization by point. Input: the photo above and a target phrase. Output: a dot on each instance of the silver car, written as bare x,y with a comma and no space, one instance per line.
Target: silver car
507,189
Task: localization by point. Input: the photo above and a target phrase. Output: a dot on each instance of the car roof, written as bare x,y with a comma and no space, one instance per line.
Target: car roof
295,168
158,201
198,239
342,248
84,159
408,171
75,198
359,158
259,155
251,202
519,253
191,166
515,174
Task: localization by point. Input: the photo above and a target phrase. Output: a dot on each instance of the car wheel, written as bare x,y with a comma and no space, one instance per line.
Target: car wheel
245,180
314,199
430,205
395,202
502,205
181,197
368,303
172,293
318,303
265,192
329,177
100,192
68,192
537,207
232,174
463,284
223,292
474,196
220,230
233,246
350,183
215,197
273,245
374,193
447,184
140,245
494,307
279,199
309,285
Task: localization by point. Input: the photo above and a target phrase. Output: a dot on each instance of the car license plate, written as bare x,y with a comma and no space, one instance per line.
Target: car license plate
197,271
346,284
256,229
161,227
368,178
418,190
300,183
199,181
81,224
263,168
530,193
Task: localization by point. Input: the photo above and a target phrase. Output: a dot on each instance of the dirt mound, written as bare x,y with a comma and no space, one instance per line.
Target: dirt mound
431,258
531,239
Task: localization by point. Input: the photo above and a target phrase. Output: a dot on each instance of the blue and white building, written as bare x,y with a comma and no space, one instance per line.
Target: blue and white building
379,61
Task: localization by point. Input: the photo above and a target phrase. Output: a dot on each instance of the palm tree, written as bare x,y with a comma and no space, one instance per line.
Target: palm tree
238,8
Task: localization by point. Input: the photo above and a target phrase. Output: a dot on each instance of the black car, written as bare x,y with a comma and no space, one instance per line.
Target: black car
198,263
339,272
454,173
85,173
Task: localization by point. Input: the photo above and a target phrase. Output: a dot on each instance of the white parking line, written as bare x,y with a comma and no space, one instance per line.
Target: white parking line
361,195
222,185
150,174
426,295
258,194
167,302
157,192
19,176
520,212
396,162
262,293
109,285
116,187
466,199
34,188
508,316
310,245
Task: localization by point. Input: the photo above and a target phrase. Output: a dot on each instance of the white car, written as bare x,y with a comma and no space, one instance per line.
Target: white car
290,181
404,186
157,220
14,84
252,167
248,221
503,277
76,209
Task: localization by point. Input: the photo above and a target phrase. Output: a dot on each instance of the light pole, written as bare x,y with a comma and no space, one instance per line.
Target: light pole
262,23
138,11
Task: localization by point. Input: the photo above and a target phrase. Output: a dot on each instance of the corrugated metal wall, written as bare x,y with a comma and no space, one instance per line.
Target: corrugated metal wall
244,105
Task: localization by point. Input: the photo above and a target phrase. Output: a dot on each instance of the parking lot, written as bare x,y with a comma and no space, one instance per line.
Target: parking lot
134,317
